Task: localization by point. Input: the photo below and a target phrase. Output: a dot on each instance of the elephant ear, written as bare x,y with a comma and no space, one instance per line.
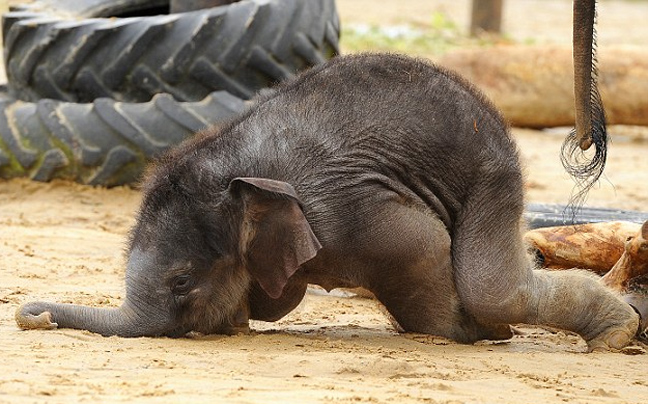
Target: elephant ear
276,239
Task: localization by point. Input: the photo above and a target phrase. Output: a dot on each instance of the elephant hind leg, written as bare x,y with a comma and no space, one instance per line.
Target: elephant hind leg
497,283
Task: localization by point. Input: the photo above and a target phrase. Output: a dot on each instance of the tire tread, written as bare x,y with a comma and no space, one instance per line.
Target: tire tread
241,48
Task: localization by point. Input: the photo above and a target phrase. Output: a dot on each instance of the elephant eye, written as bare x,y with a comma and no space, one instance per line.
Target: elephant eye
181,285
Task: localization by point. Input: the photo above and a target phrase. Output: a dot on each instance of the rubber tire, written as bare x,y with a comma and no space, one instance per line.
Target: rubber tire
100,143
548,215
57,49
93,8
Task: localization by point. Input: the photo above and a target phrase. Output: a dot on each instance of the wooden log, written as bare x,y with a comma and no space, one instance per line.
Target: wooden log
593,246
633,262
533,85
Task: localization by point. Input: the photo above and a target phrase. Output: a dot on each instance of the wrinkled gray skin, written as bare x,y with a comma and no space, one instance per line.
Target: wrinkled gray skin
375,171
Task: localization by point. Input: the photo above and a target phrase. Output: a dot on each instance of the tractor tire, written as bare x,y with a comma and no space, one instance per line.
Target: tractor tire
105,142
93,8
68,50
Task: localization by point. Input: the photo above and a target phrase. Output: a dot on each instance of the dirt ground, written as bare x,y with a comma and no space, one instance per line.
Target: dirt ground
64,242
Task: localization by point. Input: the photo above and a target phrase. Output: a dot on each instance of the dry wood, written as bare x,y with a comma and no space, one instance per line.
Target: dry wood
594,246
533,85
633,262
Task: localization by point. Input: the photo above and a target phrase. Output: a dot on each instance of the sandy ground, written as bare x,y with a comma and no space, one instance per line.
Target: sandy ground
64,242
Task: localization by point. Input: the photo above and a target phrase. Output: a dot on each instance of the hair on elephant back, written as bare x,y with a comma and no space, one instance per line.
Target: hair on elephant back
377,171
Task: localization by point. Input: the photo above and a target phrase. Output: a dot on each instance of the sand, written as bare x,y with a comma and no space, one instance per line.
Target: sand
64,242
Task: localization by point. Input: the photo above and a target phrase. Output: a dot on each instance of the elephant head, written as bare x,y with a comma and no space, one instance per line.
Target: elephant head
193,258
590,126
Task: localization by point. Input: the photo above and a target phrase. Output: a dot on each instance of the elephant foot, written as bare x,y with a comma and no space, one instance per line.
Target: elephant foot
223,329
28,321
614,338
485,332
234,329
498,332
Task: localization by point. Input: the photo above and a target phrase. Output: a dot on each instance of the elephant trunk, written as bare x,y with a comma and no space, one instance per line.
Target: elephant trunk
121,321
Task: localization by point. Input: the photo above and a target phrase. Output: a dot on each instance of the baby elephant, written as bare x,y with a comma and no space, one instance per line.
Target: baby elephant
374,171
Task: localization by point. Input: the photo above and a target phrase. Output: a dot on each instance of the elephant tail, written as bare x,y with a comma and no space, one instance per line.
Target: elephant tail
590,128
